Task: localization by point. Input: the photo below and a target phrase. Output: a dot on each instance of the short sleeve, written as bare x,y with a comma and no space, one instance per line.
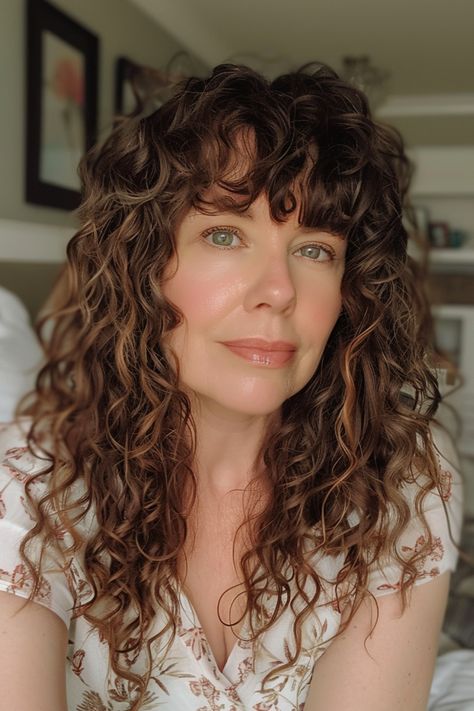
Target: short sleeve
385,577
15,521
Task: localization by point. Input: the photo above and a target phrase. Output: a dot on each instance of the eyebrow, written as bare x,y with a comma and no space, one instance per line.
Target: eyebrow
248,215
339,236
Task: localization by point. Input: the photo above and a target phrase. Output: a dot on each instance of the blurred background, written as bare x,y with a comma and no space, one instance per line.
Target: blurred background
68,67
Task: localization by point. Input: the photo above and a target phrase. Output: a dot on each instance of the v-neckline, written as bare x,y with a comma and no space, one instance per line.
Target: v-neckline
224,672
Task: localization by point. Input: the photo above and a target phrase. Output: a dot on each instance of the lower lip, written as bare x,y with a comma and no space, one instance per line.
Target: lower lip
268,359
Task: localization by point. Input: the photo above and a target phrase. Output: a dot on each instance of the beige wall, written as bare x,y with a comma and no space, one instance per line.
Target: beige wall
435,130
122,30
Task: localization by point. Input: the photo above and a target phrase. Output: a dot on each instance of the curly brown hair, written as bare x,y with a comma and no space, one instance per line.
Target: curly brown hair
112,404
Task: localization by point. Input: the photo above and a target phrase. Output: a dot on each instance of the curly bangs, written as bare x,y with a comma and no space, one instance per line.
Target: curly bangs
306,140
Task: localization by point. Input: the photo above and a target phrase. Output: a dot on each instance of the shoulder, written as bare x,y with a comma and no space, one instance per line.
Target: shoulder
63,584
23,463
22,466
444,502
14,450
17,467
443,505
431,543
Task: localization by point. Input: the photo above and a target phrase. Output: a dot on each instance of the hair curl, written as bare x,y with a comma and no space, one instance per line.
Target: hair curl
112,403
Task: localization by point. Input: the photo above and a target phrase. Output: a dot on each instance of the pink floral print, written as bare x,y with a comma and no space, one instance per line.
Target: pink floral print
188,678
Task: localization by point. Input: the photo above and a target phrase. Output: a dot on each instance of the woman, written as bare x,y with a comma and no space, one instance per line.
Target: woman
229,475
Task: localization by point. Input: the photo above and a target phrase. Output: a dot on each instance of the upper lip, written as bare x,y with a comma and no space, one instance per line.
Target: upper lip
262,344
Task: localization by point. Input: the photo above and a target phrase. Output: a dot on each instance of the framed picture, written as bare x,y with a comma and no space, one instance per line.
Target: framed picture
61,100
438,234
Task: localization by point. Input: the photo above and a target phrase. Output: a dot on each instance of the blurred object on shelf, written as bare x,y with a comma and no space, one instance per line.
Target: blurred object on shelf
438,233
416,220
457,238
442,236
418,227
422,219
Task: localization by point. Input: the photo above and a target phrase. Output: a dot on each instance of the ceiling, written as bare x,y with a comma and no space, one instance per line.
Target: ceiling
427,46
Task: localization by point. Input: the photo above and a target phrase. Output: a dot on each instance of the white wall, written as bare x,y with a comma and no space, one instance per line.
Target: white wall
443,170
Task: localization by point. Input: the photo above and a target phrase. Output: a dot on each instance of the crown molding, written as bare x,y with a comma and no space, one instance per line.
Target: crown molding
427,105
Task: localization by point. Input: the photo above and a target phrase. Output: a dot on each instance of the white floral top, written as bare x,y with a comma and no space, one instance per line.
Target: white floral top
189,679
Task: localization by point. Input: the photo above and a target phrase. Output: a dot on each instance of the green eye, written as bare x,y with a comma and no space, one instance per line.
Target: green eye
221,238
315,252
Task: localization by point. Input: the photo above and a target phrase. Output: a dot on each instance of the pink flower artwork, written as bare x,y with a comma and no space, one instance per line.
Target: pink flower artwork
68,82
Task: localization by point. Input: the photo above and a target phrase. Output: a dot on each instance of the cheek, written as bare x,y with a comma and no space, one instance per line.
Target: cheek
200,299
323,309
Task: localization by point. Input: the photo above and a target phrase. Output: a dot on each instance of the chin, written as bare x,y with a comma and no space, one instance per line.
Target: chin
255,404
257,411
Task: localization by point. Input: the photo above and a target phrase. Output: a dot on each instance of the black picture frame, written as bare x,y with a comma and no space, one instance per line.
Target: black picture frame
61,92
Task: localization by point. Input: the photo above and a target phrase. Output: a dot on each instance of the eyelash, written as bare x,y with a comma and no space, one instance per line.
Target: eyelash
328,250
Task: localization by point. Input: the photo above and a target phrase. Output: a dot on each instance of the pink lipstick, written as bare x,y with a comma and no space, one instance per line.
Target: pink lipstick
271,354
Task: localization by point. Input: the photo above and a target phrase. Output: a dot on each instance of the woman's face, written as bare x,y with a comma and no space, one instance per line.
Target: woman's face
244,276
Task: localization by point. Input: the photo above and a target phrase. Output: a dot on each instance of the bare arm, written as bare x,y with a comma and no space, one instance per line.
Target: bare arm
33,646
398,673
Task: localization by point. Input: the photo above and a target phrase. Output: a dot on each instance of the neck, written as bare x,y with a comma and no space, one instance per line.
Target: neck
228,448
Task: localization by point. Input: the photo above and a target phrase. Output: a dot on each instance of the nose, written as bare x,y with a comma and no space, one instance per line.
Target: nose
271,285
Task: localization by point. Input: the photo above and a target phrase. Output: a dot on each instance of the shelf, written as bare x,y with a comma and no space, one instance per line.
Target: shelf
33,242
443,171
445,192
461,256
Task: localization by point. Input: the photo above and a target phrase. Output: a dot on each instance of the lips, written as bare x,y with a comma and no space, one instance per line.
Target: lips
262,345
270,354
